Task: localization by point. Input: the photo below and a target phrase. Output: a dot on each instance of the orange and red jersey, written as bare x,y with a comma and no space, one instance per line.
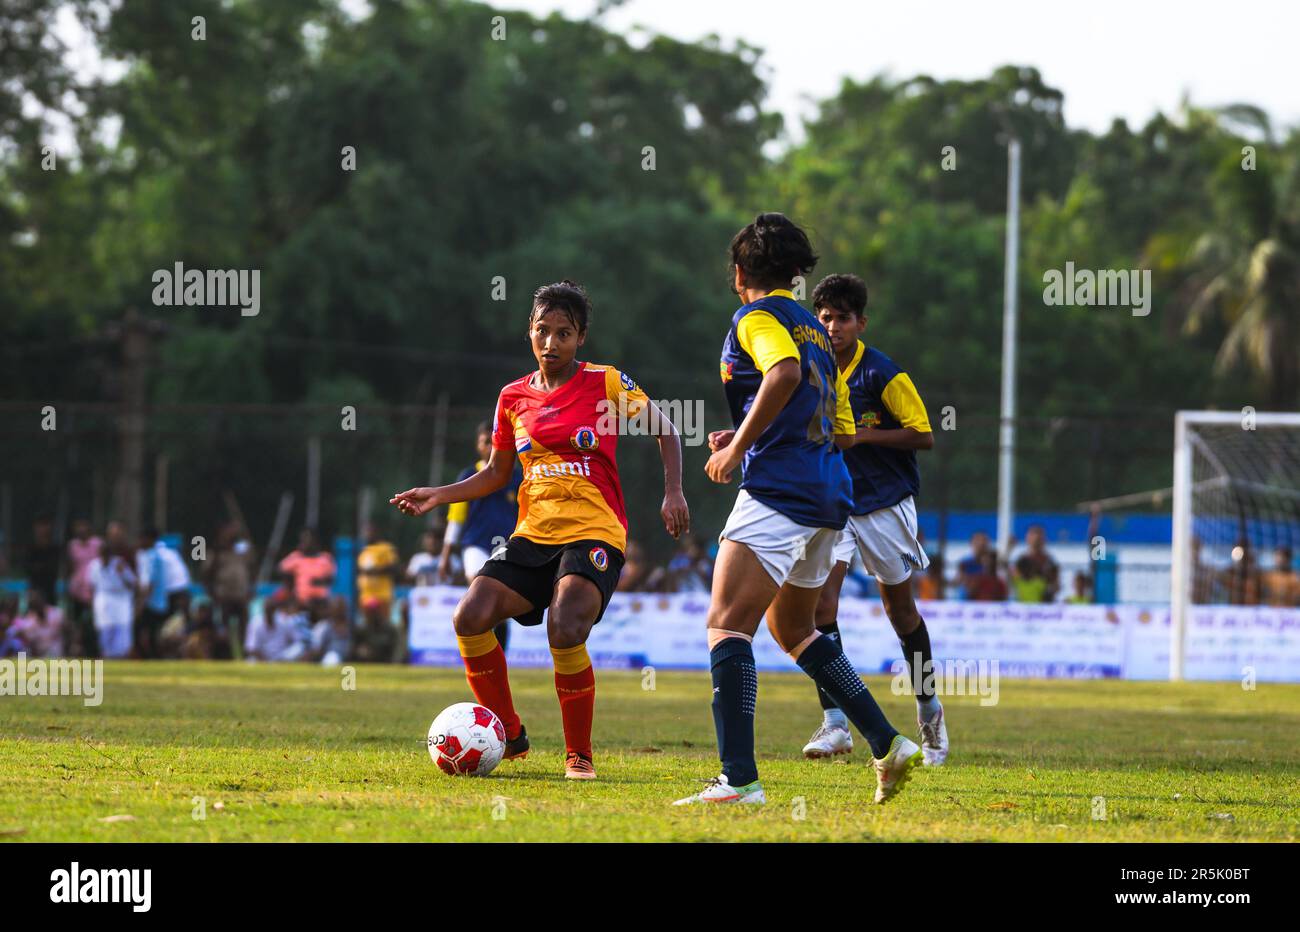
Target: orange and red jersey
566,441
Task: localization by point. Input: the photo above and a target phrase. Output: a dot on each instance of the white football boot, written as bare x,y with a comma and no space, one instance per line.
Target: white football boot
934,739
827,741
895,768
718,790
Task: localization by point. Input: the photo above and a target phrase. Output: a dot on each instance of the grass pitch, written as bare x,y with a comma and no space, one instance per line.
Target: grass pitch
228,752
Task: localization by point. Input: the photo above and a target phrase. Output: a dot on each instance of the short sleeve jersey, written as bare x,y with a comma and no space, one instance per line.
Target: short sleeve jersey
567,442
882,396
794,467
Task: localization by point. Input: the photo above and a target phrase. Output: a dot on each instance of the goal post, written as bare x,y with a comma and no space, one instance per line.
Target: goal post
1236,497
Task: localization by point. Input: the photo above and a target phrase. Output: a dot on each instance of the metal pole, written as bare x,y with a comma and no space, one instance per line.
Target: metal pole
1180,576
1007,430
438,454
313,483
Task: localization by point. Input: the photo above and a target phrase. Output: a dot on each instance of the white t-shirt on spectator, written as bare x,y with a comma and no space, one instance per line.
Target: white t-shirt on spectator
281,640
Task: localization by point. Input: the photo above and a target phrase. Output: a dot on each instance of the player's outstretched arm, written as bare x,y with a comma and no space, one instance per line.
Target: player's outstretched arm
491,478
675,512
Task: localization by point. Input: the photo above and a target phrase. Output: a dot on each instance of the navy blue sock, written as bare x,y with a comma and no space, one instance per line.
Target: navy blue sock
825,662
735,693
831,630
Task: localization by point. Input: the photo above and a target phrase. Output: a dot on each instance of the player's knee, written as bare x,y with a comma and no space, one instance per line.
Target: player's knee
471,616
572,613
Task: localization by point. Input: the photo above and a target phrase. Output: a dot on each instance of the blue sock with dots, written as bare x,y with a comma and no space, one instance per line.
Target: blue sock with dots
825,662
735,694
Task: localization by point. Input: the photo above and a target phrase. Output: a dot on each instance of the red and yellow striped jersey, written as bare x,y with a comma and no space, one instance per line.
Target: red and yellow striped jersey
566,441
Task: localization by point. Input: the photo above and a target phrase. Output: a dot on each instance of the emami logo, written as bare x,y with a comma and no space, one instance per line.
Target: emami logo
103,886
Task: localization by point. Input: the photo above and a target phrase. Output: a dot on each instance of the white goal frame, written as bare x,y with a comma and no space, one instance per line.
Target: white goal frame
1180,576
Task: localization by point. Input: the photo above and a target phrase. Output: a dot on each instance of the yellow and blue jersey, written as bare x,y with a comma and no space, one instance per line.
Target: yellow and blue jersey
487,519
794,467
882,396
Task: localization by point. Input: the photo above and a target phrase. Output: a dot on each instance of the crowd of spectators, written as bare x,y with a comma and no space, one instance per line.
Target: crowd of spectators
106,596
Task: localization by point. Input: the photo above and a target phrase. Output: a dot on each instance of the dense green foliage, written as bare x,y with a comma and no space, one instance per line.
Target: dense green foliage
522,156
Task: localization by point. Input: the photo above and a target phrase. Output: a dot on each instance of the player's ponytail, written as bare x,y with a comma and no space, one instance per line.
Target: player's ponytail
565,296
771,251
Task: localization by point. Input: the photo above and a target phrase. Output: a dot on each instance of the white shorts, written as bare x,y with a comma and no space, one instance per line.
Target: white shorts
791,553
886,540
473,558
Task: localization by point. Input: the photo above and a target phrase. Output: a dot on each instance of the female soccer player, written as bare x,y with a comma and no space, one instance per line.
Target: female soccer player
890,425
791,413
567,550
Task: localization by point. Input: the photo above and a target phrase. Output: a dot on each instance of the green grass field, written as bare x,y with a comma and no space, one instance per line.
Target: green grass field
284,753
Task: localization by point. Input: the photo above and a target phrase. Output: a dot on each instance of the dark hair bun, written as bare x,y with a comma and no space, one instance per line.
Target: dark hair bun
771,251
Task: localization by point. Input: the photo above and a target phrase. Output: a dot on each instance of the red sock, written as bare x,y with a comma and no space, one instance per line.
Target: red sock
575,685
485,669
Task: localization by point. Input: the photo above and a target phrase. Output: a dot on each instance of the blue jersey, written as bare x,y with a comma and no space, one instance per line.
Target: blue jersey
794,467
487,519
882,396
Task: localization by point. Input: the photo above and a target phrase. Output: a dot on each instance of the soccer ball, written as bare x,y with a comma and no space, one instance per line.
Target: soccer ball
467,740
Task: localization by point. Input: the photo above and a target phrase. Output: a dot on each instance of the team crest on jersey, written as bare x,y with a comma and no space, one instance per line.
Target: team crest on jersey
584,439
627,383
869,419
599,558
523,442
726,370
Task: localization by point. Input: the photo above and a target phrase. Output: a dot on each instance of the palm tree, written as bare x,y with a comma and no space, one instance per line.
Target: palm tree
1248,267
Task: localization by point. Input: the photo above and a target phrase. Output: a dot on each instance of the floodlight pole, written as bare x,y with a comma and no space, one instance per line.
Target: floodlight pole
1007,429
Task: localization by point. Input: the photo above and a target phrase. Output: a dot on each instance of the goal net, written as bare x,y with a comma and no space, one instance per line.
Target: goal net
1236,514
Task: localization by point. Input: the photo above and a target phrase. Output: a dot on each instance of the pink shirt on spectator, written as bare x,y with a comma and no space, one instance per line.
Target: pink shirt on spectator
43,639
305,570
80,553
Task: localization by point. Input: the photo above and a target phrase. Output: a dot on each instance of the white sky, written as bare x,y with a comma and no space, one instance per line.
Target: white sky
1109,58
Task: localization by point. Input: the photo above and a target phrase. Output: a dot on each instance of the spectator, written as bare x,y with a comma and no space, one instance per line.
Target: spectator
279,635
690,569
83,548
114,580
639,574
377,571
1082,594
9,645
973,564
42,561
310,569
1035,575
930,586
39,629
205,642
175,629
230,575
331,638
1281,584
987,585
162,574
376,640
1241,580
422,570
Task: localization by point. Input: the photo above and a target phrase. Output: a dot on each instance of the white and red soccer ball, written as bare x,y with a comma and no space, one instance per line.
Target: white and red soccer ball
467,740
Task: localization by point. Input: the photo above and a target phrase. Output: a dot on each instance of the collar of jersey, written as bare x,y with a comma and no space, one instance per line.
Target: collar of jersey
781,293
528,382
857,358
